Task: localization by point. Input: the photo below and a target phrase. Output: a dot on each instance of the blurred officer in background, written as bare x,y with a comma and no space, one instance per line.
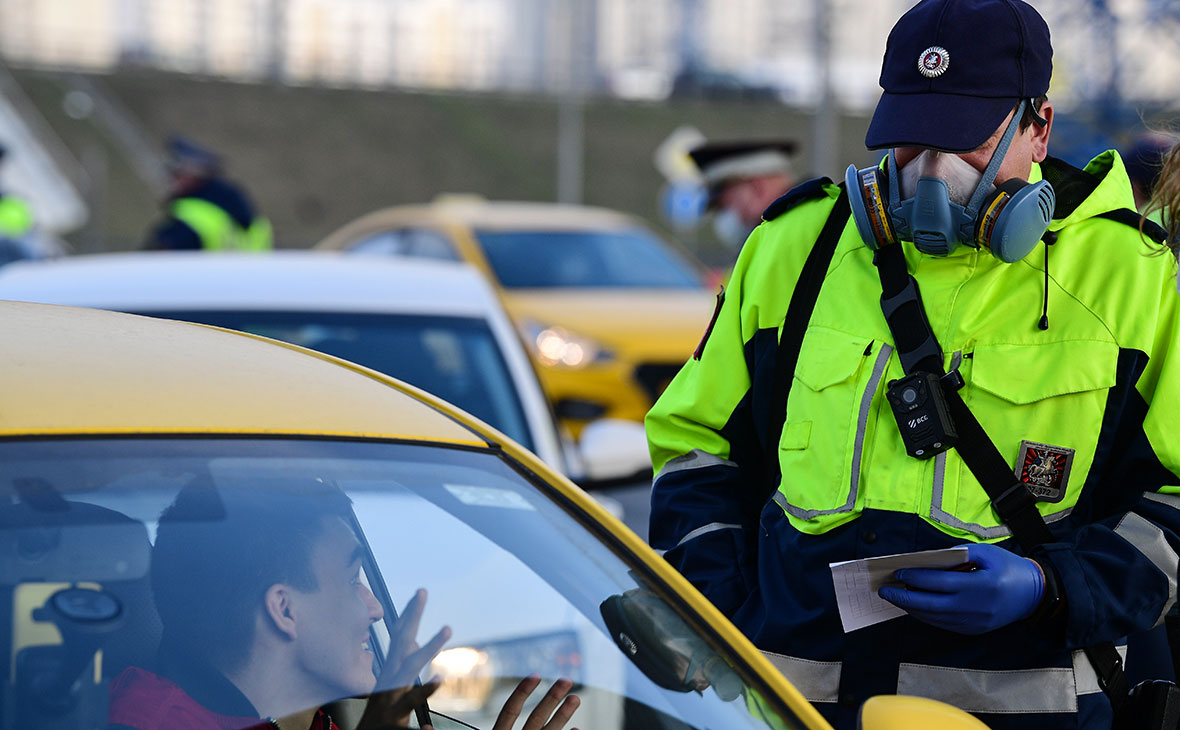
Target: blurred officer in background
204,210
867,329
20,236
16,223
1143,159
743,179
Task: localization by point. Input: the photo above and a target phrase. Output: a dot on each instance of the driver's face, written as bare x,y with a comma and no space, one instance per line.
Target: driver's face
332,639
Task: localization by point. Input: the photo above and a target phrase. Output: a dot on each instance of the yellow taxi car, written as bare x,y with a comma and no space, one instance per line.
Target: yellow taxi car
203,528
609,310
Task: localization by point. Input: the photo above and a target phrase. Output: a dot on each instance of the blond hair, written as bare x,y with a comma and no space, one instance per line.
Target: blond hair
1165,198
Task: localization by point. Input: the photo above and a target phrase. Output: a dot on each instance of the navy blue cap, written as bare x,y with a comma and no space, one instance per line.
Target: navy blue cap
186,156
954,69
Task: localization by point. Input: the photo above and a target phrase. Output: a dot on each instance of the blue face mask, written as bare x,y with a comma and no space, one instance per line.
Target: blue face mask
1008,219
730,229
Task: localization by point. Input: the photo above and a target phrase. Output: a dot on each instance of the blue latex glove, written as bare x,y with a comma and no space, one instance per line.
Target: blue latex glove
1003,588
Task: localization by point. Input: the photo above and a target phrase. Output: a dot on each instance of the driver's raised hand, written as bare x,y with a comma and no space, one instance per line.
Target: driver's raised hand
552,713
396,696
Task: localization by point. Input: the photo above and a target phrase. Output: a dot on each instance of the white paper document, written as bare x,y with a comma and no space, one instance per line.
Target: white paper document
857,581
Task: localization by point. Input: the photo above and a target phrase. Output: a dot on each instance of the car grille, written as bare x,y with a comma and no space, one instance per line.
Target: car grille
654,377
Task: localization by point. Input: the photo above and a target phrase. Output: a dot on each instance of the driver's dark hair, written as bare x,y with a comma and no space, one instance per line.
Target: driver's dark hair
216,553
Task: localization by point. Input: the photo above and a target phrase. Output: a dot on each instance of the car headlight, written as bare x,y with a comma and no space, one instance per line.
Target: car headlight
476,679
554,345
467,680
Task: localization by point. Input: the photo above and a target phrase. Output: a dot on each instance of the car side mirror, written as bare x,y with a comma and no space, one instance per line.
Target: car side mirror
613,448
901,712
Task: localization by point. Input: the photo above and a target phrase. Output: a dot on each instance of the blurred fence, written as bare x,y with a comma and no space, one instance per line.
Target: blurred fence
630,48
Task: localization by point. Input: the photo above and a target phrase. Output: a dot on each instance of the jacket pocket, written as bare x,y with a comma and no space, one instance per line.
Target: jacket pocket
821,446
1044,403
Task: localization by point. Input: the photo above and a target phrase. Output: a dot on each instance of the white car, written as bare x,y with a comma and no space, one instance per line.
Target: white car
435,325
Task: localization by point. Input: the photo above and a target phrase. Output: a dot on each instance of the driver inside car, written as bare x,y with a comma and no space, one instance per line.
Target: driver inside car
266,619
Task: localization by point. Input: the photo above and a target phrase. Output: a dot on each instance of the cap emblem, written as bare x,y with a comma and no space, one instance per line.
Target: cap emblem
934,61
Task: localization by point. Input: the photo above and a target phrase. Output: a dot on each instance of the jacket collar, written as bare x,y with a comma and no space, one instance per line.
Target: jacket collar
1101,187
203,682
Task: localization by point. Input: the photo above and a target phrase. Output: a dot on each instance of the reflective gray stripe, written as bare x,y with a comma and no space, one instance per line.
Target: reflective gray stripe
956,360
1171,500
862,420
705,530
816,681
1029,691
1085,677
979,690
1149,540
695,459
938,514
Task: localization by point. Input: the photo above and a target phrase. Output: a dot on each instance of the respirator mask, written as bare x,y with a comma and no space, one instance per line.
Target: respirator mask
939,202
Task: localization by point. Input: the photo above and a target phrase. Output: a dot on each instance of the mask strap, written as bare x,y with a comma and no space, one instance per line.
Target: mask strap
894,180
1041,121
993,166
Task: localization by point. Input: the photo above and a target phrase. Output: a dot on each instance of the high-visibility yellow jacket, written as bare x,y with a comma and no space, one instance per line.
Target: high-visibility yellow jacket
215,215
16,219
217,229
1101,384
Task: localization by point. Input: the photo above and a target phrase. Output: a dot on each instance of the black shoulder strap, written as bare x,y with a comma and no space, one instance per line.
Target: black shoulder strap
803,299
1014,504
918,351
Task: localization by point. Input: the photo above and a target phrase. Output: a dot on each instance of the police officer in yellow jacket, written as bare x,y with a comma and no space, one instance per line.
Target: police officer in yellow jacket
204,210
20,237
1055,322
16,218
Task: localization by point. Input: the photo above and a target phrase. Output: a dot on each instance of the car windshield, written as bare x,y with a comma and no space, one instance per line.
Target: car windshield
454,358
633,259
522,586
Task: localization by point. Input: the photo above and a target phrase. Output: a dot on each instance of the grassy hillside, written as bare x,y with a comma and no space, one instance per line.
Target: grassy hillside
314,158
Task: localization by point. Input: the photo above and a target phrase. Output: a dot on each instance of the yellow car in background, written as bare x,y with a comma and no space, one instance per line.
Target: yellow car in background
108,419
608,309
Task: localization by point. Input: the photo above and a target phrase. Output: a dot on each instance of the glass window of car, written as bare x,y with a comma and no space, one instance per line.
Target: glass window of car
420,242
522,584
454,358
586,259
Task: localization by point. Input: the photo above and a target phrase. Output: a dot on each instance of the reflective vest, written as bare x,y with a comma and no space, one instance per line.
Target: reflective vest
16,218
1099,391
218,230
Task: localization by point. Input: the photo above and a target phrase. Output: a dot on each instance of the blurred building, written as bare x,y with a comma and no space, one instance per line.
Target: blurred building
649,49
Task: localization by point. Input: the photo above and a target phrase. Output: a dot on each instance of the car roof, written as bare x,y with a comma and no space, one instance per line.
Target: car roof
475,212
67,370
281,280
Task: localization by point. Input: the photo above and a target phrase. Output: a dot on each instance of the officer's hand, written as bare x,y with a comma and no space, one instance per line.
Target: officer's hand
396,696
552,713
1002,588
